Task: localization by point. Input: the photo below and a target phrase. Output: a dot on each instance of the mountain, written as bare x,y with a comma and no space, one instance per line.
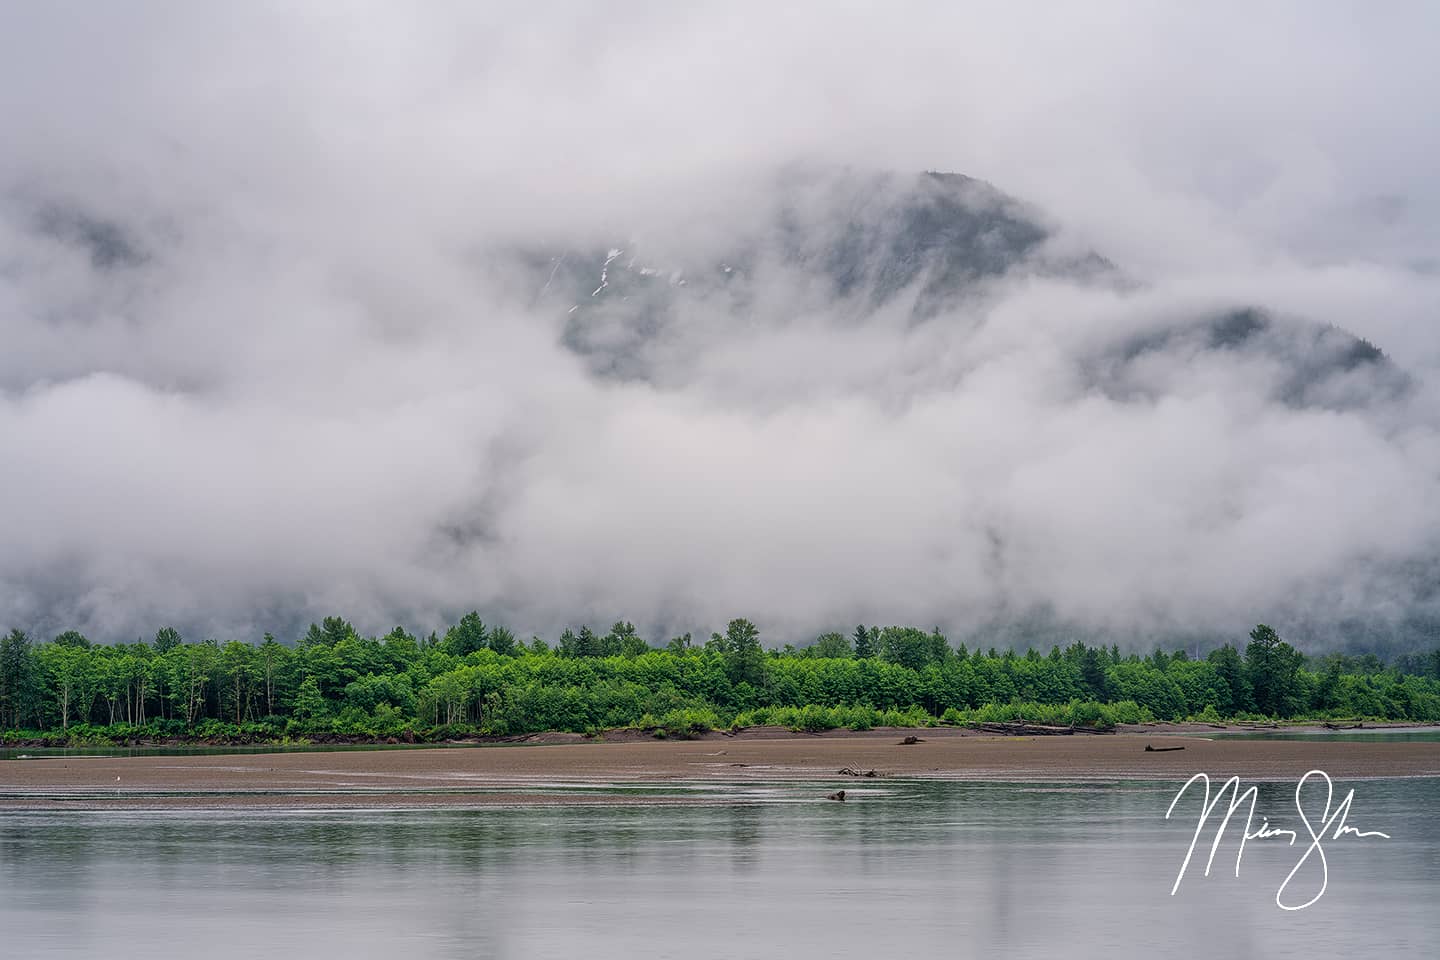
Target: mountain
856,248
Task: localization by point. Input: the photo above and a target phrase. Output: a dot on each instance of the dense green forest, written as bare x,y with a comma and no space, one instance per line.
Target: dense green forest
480,680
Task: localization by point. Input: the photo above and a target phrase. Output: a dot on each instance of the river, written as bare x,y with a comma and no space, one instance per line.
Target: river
901,869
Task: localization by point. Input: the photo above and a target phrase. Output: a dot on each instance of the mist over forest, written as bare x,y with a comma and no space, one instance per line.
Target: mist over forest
373,335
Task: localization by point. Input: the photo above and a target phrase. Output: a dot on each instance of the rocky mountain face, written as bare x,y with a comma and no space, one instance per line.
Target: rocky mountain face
852,249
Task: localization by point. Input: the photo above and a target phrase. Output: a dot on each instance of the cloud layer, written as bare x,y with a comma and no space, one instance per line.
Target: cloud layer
275,340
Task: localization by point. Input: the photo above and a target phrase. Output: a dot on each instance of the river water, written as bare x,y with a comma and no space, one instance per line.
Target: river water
901,869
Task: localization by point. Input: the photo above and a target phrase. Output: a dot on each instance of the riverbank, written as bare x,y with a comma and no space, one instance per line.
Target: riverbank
612,770
57,740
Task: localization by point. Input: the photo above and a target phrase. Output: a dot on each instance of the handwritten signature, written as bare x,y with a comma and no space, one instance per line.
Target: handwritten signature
1329,819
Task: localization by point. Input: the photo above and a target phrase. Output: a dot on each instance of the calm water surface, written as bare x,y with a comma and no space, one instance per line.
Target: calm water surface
903,869
1425,735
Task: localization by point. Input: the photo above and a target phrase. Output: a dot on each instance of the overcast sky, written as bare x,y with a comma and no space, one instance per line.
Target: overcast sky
261,360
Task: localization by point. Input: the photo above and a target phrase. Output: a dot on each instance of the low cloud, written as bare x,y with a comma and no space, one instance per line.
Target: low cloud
286,314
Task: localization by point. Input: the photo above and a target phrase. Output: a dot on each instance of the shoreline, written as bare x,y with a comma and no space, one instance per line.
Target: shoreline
613,771
322,741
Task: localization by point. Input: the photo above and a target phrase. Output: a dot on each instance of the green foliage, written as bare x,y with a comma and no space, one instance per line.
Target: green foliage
910,647
813,718
622,640
1147,685
830,646
479,680
18,687
679,724
166,640
467,636
744,659
309,704
502,641
864,642
1273,667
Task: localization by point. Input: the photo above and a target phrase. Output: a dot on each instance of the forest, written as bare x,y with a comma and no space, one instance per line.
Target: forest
480,680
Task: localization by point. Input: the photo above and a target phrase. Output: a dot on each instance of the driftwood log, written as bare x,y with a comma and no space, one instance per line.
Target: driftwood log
1150,749
1037,729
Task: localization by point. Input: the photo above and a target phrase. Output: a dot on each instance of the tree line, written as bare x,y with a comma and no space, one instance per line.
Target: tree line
481,679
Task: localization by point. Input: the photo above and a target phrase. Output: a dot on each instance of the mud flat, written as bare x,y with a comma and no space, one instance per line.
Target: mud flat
616,771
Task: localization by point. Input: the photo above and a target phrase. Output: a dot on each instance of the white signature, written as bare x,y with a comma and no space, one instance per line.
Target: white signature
1328,819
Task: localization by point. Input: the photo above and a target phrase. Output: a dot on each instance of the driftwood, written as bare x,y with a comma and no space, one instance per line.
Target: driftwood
837,795
851,772
1030,729
1350,726
1150,749
1038,729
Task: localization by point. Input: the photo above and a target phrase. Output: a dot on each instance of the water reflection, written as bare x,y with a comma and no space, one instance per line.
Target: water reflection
947,869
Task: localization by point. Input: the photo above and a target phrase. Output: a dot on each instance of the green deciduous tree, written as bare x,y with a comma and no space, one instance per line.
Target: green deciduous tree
623,640
831,646
744,658
908,646
339,680
69,673
1147,686
310,704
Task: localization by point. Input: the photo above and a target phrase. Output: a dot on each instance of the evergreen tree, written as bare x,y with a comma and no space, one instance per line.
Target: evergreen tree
1092,674
168,638
939,646
1272,666
502,641
1235,684
467,636
587,644
17,681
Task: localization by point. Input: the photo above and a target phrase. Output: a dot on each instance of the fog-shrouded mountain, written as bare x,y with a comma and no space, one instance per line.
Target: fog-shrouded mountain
839,244
844,250
848,397
850,249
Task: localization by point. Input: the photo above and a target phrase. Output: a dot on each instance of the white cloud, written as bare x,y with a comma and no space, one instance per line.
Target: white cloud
314,384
